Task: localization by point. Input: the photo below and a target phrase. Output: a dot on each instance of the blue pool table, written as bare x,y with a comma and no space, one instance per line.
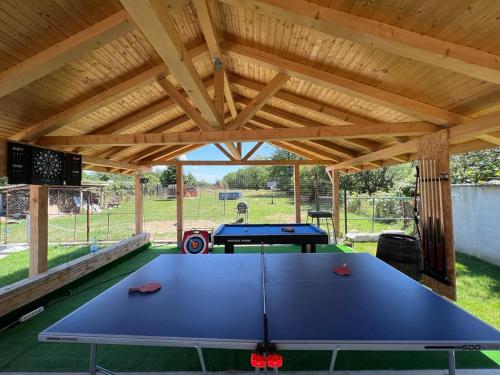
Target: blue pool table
306,235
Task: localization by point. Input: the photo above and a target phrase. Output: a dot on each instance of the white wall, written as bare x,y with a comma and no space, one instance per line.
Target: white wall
476,220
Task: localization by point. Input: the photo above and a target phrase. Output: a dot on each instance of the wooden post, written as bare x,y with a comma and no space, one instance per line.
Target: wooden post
296,188
3,158
179,191
139,205
336,200
39,220
435,148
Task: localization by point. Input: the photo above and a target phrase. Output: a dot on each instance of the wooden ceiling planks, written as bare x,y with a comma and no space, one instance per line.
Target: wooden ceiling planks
376,85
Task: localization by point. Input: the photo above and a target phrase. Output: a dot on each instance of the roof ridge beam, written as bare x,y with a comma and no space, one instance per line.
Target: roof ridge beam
153,20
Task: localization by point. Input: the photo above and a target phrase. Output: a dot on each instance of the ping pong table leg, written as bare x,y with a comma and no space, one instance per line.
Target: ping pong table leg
202,360
93,359
332,361
451,362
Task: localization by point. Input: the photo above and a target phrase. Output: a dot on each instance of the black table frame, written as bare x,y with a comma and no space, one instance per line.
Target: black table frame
306,241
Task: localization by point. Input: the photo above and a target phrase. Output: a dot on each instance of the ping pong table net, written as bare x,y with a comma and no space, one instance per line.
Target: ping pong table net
265,354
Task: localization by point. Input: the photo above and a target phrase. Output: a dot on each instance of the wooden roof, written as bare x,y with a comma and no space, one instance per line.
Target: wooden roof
348,83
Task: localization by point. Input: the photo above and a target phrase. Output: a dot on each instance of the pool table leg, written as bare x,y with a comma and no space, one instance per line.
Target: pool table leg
229,248
308,248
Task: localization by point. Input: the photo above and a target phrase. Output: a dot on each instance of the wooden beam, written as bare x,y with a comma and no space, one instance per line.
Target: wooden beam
314,106
302,101
223,150
38,229
333,150
233,150
346,86
289,134
459,133
481,125
297,151
179,192
139,204
90,105
205,19
296,192
219,92
111,163
242,162
386,153
120,150
152,18
252,151
259,101
54,57
3,158
21,293
424,48
182,102
335,179
490,138
174,154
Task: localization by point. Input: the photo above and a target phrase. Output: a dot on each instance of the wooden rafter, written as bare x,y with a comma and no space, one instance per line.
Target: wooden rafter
51,59
259,101
90,105
168,126
482,125
312,133
153,20
329,148
157,159
252,151
212,38
183,103
347,86
113,164
314,106
447,55
224,151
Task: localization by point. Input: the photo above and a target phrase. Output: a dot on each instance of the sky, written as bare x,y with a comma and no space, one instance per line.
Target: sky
210,152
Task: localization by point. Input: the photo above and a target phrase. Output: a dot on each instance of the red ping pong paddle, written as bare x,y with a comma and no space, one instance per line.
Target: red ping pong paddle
343,270
146,288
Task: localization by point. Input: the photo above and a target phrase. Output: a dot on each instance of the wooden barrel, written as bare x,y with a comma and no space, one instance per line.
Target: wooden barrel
401,252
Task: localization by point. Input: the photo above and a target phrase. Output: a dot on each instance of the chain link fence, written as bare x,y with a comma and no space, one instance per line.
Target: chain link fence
76,215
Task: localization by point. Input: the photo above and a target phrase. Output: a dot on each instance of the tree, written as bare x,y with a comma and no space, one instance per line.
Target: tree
167,176
475,167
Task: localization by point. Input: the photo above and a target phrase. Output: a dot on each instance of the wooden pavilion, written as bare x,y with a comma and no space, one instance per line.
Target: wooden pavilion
352,85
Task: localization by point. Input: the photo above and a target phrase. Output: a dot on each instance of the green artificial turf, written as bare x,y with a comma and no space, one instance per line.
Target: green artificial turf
20,350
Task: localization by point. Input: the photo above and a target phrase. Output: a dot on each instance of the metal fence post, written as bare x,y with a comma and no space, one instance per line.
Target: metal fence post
373,214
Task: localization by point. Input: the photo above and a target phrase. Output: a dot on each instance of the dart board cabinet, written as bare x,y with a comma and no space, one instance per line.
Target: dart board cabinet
28,164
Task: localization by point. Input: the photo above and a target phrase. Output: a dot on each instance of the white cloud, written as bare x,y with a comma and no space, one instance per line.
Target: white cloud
183,157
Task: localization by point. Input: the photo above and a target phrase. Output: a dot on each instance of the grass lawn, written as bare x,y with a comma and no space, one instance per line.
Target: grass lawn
14,267
204,211
478,284
21,351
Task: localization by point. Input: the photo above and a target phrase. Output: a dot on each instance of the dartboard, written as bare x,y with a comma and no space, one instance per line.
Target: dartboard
47,166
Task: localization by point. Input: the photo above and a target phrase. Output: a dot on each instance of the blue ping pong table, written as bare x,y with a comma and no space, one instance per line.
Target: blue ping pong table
221,301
